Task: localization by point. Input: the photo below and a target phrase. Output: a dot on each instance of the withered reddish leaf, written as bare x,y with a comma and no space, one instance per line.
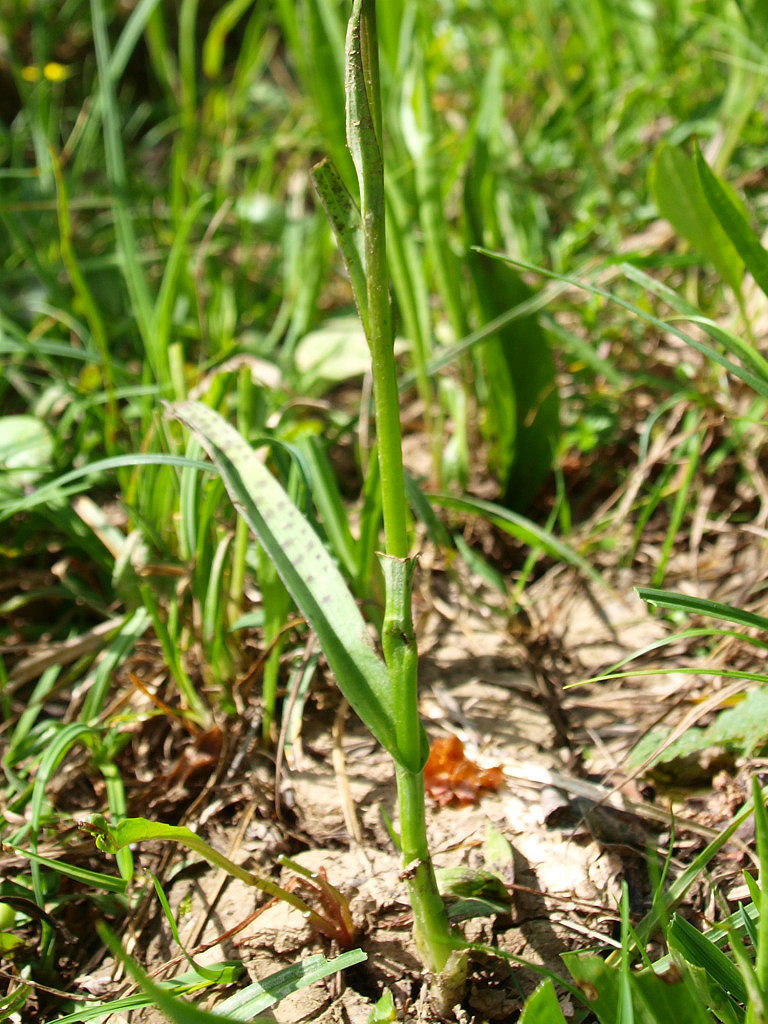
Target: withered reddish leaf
450,777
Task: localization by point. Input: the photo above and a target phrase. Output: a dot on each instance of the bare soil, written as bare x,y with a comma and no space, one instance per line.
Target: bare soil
578,822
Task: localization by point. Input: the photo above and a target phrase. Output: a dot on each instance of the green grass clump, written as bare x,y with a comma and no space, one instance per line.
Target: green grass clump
697,980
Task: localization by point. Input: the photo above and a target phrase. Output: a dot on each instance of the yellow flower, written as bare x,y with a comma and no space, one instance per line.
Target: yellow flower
56,72
52,72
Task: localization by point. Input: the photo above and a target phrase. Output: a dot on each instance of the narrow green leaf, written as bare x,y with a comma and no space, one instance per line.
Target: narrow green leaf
307,570
94,879
755,13
263,994
521,374
523,404
757,898
626,1006
757,383
700,951
126,635
721,932
100,1011
761,830
524,529
672,638
733,222
175,263
217,974
701,606
223,23
243,1005
213,610
479,565
62,742
542,1007
54,490
328,502
177,1010
13,1002
411,289
689,454
424,512
684,881
681,200
452,353
129,37
128,249
731,342
757,1010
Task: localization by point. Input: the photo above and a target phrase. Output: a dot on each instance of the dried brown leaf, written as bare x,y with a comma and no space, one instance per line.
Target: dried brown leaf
450,777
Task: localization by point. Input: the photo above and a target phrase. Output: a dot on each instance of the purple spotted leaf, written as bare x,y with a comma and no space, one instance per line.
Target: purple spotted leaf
306,568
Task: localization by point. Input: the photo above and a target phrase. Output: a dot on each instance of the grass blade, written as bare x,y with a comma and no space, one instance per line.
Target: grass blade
177,1010
733,222
57,750
731,342
697,949
684,881
93,879
757,383
542,1007
128,248
222,974
681,200
690,456
520,527
243,1005
761,829
701,606
262,994
56,489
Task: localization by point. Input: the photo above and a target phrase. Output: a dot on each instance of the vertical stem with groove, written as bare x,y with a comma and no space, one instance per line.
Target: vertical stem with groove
364,114
431,928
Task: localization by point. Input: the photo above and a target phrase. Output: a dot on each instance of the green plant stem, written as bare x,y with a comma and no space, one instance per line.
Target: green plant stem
431,929
398,641
362,84
369,45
